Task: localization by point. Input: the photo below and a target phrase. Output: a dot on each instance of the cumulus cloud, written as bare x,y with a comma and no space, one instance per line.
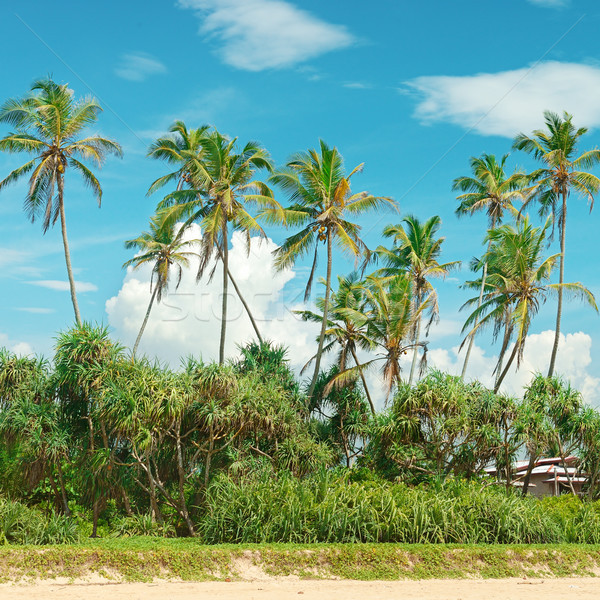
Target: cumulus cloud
20,348
507,102
138,66
574,359
63,286
264,34
187,321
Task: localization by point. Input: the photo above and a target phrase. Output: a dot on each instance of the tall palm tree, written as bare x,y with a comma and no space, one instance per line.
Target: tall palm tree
49,122
222,185
563,172
165,248
416,250
342,330
182,147
389,315
517,286
322,203
488,190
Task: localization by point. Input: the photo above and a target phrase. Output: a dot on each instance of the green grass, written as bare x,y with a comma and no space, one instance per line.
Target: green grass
145,559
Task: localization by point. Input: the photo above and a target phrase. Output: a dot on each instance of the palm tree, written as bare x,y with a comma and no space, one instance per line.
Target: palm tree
322,202
183,149
48,123
556,148
164,247
490,190
341,329
222,184
389,315
416,250
517,286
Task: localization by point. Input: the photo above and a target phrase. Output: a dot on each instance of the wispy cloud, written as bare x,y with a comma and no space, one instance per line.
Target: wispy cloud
507,102
138,66
63,286
550,3
35,310
357,85
266,34
202,109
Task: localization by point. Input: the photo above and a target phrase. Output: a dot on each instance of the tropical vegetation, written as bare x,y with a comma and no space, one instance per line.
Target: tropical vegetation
100,439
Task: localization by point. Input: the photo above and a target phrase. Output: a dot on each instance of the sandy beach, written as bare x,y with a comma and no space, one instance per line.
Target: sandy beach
496,589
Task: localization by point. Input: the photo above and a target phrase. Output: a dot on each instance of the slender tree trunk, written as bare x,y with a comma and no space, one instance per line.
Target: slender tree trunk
224,299
416,348
139,337
479,303
242,300
181,477
63,228
63,490
325,315
472,336
508,364
561,278
364,381
530,466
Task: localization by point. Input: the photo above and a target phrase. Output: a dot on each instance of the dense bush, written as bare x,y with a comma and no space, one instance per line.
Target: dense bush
332,508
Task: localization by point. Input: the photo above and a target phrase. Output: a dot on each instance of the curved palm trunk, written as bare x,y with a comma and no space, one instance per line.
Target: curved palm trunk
139,337
63,227
479,303
472,336
242,300
325,316
530,467
416,348
508,364
561,277
224,299
364,381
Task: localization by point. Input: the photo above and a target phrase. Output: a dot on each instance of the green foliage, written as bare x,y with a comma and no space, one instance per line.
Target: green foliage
20,524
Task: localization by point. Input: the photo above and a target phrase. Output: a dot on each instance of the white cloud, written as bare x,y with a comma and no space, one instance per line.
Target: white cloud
266,34
20,348
36,310
187,321
574,358
507,102
138,66
357,85
63,286
550,3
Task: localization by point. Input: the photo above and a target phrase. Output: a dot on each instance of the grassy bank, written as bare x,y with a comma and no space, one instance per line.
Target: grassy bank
145,559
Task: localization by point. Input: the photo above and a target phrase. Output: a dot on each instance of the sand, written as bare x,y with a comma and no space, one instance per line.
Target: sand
490,589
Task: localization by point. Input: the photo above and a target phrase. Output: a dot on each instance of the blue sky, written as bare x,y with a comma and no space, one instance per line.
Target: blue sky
410,89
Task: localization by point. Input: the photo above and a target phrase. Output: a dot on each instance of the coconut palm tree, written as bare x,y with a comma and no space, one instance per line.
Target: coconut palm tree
322,203
488,190
563,172
49,122
416,250
341,329
517,286
183,149
223,184
390,315
165,248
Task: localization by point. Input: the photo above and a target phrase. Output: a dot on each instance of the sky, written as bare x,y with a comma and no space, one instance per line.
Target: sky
412,90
